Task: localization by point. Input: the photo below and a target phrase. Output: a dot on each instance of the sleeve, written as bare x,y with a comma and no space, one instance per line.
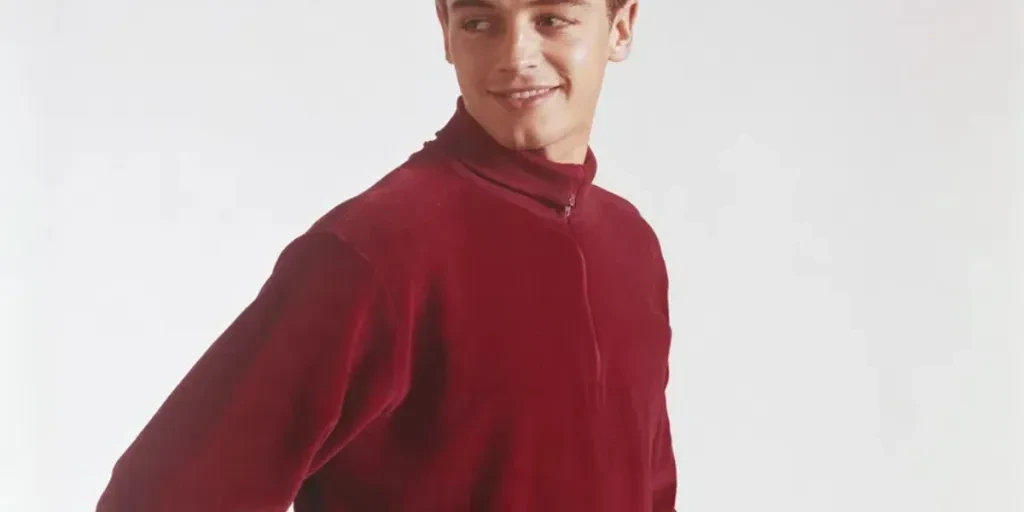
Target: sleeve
663,470
663,462
262,409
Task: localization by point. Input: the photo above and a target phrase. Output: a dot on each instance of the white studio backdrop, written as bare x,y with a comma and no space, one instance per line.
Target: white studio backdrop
837,185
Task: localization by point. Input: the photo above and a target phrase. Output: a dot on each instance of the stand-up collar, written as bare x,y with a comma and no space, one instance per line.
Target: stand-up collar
526,172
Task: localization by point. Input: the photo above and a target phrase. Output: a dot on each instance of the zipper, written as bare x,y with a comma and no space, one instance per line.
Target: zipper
567,209
598,362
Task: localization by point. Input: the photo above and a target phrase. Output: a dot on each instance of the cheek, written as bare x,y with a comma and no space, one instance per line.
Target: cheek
468,60
581,59
470,72
578,61
579,55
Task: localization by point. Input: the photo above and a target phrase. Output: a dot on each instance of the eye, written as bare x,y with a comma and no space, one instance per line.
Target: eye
552,21
476,25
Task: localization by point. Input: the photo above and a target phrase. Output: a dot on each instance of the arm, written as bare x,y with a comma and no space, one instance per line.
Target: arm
663,470
663,462
262,409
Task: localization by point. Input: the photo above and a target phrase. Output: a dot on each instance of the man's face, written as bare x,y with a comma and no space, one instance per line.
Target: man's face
530,71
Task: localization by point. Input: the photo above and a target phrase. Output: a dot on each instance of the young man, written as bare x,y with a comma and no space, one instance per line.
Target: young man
482,330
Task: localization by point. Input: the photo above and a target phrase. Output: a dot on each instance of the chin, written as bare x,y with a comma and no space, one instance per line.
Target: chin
535,131
524,130
530,139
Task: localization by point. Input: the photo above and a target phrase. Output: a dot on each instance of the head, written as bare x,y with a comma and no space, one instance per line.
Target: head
530,71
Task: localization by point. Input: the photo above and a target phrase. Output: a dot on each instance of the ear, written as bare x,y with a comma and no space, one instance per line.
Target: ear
620,41
442,17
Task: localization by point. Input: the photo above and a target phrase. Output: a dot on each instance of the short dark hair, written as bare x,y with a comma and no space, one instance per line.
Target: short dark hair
613,6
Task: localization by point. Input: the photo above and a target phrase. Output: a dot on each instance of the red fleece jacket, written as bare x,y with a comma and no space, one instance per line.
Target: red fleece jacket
481,330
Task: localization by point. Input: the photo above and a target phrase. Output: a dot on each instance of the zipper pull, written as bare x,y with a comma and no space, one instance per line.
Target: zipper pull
572,204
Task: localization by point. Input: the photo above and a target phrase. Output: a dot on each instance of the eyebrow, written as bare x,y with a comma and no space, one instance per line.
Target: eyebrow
486,4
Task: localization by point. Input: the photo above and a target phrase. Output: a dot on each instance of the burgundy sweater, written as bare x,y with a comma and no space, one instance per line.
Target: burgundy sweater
482,330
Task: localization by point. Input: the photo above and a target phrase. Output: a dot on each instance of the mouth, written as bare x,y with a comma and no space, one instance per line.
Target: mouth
524,98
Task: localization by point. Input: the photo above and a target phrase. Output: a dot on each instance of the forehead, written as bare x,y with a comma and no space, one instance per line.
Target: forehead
517,4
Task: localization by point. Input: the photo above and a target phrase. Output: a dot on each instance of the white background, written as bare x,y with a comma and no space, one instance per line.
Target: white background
837,184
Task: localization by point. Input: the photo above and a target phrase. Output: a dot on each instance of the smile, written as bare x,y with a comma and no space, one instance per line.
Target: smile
524,98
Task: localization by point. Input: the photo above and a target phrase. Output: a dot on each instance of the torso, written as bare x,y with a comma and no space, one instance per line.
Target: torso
540,351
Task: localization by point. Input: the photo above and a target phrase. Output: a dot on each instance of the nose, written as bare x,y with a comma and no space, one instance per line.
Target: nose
519,48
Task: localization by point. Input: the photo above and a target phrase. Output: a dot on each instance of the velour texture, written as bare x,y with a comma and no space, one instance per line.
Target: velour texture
482,330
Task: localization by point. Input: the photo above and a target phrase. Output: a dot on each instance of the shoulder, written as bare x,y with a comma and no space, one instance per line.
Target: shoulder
629,221
619,210
399,217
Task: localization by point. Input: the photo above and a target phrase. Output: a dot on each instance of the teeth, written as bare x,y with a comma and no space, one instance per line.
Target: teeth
525,95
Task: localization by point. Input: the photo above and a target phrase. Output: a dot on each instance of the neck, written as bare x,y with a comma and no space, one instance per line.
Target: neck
558,175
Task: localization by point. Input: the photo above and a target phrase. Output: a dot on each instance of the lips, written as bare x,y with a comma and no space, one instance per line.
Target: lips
524,98
525,94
